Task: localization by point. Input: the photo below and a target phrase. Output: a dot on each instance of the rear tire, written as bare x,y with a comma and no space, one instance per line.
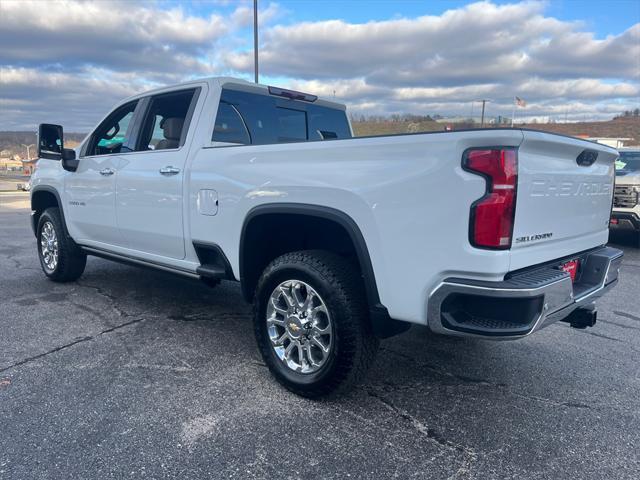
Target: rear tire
311,323
60,258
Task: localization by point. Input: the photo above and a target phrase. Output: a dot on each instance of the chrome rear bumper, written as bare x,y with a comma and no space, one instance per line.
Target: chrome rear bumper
525,301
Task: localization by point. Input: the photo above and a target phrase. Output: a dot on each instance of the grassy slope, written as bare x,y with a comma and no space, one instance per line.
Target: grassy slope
622,127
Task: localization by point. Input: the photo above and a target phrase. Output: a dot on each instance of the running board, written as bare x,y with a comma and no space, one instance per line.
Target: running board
211,271
97,252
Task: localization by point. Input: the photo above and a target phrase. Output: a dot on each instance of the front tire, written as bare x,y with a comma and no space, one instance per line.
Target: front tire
60,258
311,323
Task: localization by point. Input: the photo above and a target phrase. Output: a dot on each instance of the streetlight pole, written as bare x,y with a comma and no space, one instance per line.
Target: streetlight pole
28,151
255,38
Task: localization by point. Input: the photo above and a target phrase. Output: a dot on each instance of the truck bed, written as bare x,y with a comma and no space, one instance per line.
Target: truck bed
411,198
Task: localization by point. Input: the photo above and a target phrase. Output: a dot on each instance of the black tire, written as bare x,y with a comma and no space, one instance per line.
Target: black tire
71,260
354,345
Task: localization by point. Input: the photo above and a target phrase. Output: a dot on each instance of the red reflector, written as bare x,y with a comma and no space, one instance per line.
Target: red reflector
613,221
492,216
571,267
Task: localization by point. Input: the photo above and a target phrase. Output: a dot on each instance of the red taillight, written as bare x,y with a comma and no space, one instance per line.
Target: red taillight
492,215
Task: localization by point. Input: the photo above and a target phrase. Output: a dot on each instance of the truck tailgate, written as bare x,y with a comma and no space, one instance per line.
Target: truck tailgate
563,201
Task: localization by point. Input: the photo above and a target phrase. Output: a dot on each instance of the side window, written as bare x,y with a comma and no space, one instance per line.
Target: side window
326,123
166,123
270,119
112,135
291,125
229,126
257,111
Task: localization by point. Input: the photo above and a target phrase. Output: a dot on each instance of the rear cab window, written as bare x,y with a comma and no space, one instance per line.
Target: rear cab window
229,126
291,125
628,162
247,118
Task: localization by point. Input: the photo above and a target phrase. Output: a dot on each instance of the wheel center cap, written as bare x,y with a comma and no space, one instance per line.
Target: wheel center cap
294,326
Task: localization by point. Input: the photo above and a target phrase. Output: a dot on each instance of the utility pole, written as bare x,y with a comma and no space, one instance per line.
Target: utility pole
28,151
255,38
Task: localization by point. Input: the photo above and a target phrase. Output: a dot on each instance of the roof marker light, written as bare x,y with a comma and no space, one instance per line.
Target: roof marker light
292,94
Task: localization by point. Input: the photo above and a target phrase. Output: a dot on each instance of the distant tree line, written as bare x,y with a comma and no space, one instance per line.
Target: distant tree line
394,118
630,113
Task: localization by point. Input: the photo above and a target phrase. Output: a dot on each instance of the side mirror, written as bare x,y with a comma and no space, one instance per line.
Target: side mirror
51,146
69,161
50,141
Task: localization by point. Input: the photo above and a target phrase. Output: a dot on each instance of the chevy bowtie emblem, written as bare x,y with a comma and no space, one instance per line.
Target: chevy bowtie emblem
293,327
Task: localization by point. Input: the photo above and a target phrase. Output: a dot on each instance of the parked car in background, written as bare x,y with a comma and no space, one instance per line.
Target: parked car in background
338,241
626,200
25,187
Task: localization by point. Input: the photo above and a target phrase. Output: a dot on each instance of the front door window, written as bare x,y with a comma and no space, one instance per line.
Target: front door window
113,134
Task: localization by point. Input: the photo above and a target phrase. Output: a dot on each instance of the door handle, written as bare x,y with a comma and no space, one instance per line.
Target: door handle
169,170
107,171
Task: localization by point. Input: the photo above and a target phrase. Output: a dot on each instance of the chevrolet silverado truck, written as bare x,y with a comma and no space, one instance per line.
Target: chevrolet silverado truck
337,241
626,197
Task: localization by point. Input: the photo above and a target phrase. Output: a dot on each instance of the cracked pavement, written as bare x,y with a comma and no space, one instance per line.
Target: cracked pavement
136,373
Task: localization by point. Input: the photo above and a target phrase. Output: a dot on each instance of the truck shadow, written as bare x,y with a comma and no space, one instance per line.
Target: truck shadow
416,359
626,238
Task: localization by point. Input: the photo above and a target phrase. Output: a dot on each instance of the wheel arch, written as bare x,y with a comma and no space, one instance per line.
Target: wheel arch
250,268
43,197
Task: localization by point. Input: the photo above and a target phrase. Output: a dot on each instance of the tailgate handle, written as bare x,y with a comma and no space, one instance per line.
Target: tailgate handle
587,158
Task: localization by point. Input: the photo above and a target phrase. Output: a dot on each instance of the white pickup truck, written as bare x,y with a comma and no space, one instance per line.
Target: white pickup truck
626,198
338,241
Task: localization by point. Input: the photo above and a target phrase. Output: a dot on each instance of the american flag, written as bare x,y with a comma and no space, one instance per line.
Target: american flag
520,102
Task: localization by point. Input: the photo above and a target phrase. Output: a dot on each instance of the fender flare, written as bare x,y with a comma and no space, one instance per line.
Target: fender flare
382,324
34,218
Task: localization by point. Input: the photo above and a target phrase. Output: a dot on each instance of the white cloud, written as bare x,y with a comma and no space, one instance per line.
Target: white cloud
474,43
70,60
439,64
76,100
118,35
243,15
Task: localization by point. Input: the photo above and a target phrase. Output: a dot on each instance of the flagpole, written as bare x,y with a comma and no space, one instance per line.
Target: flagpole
513,113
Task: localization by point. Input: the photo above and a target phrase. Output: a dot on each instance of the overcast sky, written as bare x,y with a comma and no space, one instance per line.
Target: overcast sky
68,62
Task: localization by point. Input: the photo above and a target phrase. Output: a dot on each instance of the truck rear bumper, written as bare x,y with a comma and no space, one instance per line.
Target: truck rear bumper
525,301
624,221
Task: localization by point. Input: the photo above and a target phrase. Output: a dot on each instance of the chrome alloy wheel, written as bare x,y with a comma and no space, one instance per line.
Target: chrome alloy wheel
299,326
49,246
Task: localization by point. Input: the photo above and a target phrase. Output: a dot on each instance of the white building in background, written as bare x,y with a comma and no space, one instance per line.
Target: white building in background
610,141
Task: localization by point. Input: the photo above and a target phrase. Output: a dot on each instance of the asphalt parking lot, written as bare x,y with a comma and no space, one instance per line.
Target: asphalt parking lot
10,181
131,373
